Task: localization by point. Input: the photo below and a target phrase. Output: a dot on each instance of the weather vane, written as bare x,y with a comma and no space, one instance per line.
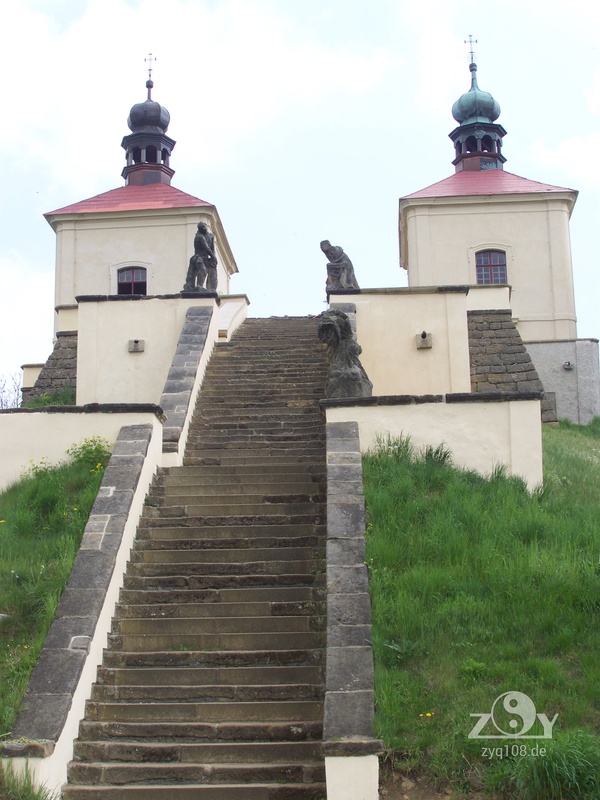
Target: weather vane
150,59
471,41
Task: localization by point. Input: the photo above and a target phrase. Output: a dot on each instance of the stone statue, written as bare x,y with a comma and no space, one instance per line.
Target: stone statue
340,272
203,264
346,377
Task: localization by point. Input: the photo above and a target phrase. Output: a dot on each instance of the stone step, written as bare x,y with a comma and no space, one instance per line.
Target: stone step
247,491
244,471
193,791
209,481
201,694
237,555
246,457
210,676
239,731
215,625
272,567
173,516
165,529
216,773
180,611
215,752
215,658
278,640
236,543
160,713
211,596
224,581
189,497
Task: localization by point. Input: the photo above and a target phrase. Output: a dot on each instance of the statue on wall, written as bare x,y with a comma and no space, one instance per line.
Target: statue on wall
347,377
203,264
340,272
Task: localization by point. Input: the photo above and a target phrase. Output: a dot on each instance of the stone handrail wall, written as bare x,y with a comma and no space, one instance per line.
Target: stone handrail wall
62,678
349,681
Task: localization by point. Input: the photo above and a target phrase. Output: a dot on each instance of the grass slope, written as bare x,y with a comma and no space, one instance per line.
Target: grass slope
480,588
42,518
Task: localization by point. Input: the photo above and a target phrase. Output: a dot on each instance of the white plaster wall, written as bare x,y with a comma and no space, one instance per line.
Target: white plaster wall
577,389
480,435
66,318
387,322
31,437
352,777
106,371
91,247
442,235
488,298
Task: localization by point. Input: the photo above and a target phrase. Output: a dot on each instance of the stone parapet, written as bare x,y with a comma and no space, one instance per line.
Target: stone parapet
349,686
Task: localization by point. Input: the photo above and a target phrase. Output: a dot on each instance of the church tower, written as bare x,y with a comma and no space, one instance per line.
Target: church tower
507,239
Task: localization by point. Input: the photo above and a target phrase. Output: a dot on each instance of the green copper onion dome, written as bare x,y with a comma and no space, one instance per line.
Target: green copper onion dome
475,105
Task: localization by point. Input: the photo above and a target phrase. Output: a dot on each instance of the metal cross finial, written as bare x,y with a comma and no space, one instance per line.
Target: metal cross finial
471,41
150,59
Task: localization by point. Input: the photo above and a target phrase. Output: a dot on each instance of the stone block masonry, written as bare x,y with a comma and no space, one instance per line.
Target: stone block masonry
60,370
499,359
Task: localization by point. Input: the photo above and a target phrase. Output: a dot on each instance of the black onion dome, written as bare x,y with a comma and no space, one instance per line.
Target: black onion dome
149,116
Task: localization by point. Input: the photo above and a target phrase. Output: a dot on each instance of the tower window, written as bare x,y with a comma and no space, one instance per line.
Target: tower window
491,267
131,281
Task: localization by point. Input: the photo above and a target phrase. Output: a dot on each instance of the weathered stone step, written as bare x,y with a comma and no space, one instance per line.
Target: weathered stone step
264,457
242,791
149,773
278,640
234,484
220,658
173,516
259,422
200,694
272,711
217,624
272,567
244,581
164,529
225,753
230,542
216,555
210,596
208,676
239,731
180,611
317,469
239,500
253,439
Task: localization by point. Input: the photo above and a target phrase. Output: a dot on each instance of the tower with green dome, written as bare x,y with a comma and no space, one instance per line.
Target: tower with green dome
478,138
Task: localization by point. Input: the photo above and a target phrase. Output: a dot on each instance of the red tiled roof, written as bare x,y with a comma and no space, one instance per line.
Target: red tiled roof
133,198
490,181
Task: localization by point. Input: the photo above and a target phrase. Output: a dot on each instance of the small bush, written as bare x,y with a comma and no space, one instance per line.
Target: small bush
62,397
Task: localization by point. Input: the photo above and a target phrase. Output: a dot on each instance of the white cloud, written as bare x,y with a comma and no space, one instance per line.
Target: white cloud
571,157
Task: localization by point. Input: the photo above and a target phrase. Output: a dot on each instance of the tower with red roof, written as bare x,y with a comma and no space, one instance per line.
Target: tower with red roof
507,238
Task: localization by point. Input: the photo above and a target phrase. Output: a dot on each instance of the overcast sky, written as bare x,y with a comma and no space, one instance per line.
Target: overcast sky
299,119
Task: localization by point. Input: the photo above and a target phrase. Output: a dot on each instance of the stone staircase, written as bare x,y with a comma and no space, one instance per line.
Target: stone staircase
212,684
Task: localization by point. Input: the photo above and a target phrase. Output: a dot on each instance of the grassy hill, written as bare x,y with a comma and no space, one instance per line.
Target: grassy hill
479,589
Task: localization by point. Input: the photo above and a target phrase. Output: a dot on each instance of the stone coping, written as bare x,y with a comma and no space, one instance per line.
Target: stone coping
93,408
422,399
349,674
103,298
183,374
55,677
563,341
461,289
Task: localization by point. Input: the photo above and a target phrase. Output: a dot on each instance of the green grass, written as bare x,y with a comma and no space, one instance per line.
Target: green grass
62,397
480,588
42,518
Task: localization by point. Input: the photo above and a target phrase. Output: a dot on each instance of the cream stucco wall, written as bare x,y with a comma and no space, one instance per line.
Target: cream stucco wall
387,322
440,236
90,248
36,436
480,435
107,372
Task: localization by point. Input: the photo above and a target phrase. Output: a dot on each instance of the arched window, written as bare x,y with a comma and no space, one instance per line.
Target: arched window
131,280
491,267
